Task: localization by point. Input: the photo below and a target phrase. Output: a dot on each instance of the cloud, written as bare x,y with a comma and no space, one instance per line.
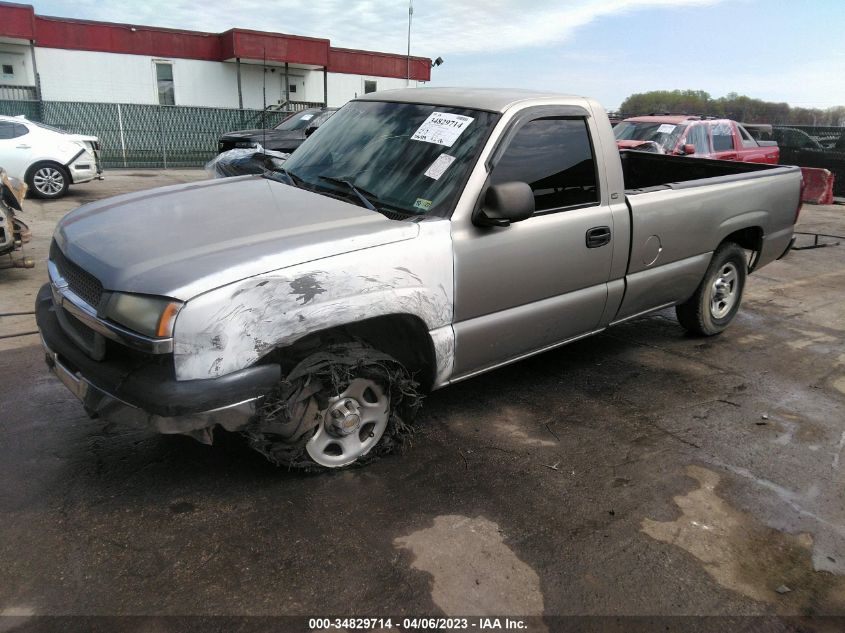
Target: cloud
439,26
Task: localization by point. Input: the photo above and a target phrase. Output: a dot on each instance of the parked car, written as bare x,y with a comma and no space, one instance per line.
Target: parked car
790,138
14,232
424,236
693,136
49,160
285,137
244,161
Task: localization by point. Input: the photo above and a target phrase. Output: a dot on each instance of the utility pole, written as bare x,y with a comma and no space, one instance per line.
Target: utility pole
410,16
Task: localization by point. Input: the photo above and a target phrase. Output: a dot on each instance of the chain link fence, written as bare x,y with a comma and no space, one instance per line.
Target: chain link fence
139,135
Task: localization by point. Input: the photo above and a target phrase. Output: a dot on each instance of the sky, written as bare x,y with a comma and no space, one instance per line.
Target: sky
776,50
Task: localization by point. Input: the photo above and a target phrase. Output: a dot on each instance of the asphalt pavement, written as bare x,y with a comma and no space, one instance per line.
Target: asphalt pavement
638,472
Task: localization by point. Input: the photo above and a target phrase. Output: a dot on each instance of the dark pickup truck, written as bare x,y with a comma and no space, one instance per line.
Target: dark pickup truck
285,137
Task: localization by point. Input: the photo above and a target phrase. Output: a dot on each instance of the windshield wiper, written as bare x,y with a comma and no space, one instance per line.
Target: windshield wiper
361,193
295,180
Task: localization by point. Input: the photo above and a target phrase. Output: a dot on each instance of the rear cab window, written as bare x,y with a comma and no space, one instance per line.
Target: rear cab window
554,155
746,138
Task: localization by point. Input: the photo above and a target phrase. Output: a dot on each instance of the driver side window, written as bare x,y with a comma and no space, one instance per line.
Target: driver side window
555,157
697,136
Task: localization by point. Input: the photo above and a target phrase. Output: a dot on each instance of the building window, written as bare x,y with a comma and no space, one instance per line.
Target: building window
164,79
8,70
292,88
370,86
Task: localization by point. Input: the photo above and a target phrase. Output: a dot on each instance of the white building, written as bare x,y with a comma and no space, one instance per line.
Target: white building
62,59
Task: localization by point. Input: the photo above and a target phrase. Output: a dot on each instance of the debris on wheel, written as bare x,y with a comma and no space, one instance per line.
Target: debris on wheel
346,405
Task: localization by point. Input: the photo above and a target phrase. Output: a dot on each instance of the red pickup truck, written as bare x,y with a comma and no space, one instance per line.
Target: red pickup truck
694,136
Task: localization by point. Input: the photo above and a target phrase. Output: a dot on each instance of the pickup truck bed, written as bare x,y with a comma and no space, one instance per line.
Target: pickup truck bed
643,171
697,202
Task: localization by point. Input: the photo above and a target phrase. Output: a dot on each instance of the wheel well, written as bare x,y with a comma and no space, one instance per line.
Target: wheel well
40,163
403,336
749,238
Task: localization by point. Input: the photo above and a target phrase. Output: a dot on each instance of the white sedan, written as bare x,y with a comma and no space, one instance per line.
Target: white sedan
48,159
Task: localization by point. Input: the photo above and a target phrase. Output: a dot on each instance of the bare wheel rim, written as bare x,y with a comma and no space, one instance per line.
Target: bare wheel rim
351,425
48,180
724,290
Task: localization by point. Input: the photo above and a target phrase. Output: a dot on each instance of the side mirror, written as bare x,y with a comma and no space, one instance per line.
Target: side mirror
310,130
689,148
505,203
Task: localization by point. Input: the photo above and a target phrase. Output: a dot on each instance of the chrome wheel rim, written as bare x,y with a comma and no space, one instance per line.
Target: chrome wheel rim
48,180
351,425
724,290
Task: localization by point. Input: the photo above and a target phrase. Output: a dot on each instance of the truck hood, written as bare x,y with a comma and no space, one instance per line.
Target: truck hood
268,137
647,146
184,240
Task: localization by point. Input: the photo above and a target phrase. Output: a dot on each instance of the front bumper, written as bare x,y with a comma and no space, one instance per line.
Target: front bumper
125,390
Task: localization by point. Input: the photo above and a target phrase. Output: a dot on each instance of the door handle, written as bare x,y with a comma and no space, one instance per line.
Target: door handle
598,236
24,146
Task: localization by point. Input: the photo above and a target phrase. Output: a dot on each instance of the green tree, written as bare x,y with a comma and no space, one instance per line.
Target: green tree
733,106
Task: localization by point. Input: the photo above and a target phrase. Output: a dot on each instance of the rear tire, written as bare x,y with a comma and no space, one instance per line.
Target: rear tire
48,180
716,300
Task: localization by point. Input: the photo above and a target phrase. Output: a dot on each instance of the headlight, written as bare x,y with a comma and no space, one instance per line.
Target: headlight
151,316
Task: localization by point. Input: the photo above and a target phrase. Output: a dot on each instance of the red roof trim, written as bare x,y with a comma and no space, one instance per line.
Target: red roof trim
17,21
277,47
355,62
20,22
124,38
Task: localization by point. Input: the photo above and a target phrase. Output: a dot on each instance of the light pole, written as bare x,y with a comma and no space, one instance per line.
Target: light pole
410,16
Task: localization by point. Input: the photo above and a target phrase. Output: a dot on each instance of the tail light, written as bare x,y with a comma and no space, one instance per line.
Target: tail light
800,201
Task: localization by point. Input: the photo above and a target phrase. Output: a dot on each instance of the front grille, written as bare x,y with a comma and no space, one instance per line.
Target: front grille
225,144
83,284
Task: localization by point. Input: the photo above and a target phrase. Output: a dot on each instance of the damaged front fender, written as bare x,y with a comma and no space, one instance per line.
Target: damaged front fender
233,327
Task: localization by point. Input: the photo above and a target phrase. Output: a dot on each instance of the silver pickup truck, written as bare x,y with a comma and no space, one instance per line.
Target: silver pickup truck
418,238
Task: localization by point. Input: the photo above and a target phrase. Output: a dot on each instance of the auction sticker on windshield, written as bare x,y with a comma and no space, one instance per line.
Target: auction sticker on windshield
666,128
440,165
442,128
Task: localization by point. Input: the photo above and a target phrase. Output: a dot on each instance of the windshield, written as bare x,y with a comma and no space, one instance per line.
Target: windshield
298,121
666,135
406,157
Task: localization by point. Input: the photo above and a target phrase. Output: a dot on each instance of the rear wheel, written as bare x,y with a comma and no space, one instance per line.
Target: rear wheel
716,300
48,180
342,406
